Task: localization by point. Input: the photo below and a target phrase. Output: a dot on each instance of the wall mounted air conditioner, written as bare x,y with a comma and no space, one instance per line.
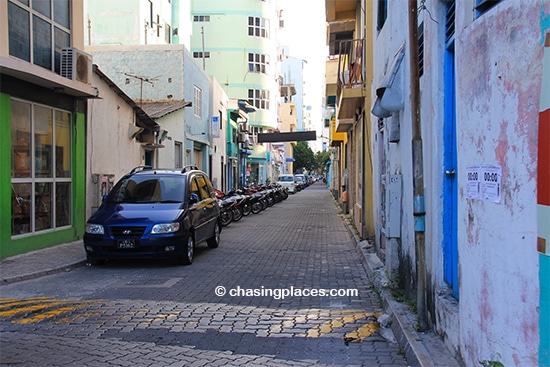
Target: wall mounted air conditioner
76,65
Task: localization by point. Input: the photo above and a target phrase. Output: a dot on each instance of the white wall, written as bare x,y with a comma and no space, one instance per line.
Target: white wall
499,61
174,124
109,148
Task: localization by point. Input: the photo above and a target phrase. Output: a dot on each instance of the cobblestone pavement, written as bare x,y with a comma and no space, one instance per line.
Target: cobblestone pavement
252,301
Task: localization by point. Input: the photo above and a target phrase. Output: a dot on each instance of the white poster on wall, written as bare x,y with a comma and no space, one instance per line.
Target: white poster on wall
491,182
472,182
484,182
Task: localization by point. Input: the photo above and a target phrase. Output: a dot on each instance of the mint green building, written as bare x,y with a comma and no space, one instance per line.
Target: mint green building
236,42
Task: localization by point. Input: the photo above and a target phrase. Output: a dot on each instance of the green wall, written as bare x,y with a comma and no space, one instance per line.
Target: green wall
26,243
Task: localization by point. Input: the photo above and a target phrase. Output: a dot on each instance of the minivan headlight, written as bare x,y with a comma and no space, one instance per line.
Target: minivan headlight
165,228
94,228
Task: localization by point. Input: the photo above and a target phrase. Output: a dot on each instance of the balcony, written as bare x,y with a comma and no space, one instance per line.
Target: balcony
350,88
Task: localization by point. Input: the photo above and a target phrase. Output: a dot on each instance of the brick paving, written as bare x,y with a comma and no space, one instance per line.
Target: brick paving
145,313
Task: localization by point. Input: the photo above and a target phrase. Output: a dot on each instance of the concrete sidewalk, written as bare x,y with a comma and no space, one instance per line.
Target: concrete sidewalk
421,349
38,263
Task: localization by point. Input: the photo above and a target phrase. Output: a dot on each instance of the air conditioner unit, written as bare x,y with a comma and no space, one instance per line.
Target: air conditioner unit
76,65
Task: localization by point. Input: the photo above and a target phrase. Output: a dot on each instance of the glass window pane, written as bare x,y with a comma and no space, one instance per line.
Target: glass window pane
62,39
62,13
42,43
43,205
43,138
62,204
44,7
20,139
19,30
62,144
20,208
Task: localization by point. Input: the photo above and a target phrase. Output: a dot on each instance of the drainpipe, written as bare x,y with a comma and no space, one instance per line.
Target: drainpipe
365,142
418,171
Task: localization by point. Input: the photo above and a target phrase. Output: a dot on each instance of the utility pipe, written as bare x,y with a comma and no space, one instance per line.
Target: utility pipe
418,171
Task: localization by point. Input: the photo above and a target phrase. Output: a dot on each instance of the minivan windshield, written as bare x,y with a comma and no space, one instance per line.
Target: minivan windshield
139,189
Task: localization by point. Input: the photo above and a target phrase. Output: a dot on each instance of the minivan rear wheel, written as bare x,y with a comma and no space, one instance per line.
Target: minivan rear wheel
214,241
188,251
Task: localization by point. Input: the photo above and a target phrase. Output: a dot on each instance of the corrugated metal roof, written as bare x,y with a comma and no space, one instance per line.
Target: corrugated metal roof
160,109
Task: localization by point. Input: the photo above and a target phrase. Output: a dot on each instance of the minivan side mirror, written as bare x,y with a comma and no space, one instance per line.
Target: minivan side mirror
194,199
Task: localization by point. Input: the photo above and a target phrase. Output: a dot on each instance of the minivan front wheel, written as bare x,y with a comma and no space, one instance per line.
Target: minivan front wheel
188,251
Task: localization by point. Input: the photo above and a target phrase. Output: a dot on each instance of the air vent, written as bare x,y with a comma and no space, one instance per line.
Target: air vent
76,65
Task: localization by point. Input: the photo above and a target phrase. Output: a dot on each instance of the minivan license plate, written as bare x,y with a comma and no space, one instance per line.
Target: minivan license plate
124,244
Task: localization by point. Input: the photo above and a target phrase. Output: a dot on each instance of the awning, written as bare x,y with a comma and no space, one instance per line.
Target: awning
390,92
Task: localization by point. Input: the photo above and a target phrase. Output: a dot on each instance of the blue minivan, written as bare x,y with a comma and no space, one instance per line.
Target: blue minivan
155,213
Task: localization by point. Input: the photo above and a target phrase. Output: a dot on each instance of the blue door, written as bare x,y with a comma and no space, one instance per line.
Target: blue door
450,243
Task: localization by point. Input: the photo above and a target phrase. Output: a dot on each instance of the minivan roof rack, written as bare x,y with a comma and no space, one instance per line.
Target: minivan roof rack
140,168
189,168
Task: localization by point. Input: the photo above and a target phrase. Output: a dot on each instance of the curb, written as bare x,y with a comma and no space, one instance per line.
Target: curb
42,262
41,273
414,344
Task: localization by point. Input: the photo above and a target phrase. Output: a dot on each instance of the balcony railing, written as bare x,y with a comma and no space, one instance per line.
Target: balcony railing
351,69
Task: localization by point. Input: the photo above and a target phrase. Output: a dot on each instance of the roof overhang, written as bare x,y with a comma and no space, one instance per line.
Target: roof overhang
40,76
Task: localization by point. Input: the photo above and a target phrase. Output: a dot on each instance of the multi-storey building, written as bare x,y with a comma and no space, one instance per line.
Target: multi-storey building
237,43
44,88
348,71
455,89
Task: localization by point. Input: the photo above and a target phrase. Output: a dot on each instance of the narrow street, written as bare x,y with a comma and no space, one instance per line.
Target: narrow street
257,300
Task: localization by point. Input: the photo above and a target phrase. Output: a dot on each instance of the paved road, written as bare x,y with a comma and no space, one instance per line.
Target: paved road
251,301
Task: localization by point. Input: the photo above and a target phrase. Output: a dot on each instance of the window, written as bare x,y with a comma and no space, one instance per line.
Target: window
450,23
41,182
197,102
483,6
258,27
199,55
258,63
256,130
37,33
204,188
178,154
259,98
167,33
382,13
421,49
201,18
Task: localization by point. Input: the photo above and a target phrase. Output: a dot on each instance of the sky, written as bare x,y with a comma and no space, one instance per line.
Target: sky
305,33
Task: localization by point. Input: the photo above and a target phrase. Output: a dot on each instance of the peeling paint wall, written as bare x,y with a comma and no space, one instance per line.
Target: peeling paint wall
498,59
498,87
